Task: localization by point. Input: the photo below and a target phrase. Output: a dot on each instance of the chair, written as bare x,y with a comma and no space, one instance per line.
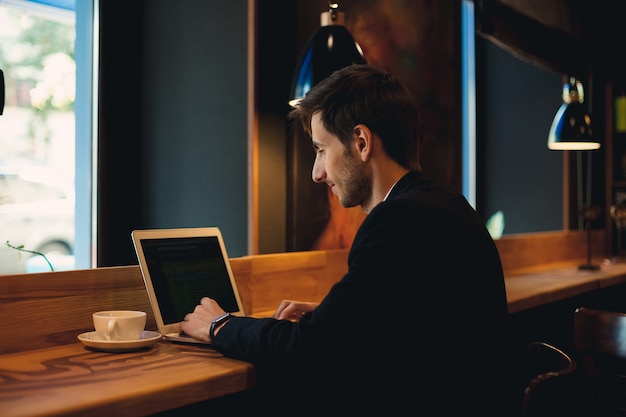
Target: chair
551,386
600,343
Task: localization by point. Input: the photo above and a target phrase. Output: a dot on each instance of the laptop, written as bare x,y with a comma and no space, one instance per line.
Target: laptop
179,267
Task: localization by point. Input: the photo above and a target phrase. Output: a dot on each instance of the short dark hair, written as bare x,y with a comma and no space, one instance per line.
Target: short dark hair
361,94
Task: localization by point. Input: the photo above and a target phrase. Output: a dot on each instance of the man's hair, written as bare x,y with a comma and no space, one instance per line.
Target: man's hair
361,94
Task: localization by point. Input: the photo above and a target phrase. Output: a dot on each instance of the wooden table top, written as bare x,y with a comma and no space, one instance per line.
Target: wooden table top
74,380
539,287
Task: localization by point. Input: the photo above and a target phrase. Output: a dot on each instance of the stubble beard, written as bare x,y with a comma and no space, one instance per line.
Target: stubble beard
355,183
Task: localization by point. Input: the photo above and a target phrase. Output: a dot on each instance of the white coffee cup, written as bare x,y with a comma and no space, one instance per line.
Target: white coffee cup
119,324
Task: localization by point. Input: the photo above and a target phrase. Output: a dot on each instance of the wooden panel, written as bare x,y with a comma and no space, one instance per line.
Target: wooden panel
51,308
265,280
532,251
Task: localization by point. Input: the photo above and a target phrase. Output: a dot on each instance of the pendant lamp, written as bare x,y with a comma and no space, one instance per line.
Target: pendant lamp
330,48
571,131
571,128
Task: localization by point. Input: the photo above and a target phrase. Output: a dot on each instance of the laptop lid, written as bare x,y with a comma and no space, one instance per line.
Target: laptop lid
179,267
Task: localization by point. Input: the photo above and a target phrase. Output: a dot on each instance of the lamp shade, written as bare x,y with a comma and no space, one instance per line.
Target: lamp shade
571,128
330,48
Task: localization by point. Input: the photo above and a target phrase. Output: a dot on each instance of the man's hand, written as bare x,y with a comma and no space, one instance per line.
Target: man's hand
293,310
197,324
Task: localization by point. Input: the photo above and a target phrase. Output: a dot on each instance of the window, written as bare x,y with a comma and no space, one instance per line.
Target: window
508,106
46,134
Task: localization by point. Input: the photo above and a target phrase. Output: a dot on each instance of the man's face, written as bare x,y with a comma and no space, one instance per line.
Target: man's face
339,167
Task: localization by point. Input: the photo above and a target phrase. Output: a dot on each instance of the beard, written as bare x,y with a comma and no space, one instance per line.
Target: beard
356,185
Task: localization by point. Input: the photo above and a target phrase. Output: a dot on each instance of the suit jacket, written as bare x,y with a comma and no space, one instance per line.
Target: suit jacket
417,323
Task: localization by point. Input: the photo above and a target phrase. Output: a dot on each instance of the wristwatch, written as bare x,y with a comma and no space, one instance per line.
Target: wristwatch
217,322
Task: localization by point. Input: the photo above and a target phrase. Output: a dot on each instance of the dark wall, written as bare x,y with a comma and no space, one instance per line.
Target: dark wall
173,121
119,145
276,53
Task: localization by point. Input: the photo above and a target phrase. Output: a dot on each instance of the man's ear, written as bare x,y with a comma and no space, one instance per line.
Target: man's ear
363,141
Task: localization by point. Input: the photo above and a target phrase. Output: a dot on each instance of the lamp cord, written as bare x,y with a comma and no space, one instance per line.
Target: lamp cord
579,184
589,178
579,188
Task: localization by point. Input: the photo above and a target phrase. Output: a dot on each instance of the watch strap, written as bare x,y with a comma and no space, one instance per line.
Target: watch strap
217,322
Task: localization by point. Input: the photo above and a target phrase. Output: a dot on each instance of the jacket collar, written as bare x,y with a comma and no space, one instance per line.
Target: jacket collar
410,181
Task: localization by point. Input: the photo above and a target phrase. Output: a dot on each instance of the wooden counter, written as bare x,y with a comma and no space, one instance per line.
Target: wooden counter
45,371
73,380
540,287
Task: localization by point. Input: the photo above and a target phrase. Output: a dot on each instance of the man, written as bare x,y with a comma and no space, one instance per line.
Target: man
418,323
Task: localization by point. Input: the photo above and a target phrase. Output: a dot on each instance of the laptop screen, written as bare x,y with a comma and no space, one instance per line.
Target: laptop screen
183,270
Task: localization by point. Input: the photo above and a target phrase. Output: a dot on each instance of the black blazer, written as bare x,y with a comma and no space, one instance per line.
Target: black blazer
417,323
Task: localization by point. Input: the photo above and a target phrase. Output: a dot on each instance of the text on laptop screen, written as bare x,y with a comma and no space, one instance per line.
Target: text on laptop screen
184,270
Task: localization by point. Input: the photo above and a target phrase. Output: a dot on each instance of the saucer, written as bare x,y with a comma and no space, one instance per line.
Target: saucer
146,339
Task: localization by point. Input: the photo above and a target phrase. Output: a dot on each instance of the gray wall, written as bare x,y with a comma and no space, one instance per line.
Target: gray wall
173,121
194,127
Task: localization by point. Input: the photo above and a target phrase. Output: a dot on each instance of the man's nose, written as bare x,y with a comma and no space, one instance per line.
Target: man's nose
317,173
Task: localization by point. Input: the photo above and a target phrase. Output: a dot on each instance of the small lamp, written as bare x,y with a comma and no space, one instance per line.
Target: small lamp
571,130
330,48
571,127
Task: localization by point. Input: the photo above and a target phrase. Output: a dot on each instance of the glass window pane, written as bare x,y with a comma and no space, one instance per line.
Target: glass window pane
37,136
